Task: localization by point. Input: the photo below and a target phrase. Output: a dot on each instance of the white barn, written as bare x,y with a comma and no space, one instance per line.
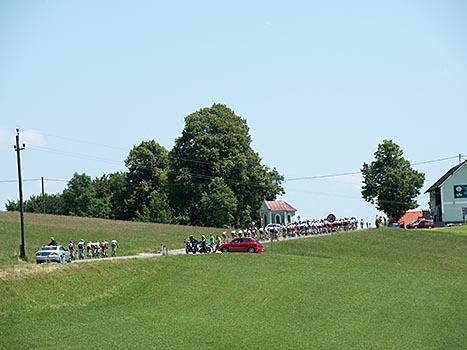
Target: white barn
448,196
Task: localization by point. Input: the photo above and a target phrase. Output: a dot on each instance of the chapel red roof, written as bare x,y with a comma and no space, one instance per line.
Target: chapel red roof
279,206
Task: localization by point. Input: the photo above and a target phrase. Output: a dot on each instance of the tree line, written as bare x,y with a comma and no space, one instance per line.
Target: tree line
210,177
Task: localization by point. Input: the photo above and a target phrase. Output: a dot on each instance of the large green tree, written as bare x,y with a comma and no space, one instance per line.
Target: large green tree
111,189
218,205
80,198
146,197
215,143
53,204
389,182
102,197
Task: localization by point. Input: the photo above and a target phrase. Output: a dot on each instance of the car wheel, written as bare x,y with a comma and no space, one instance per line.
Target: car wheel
251,250
225,250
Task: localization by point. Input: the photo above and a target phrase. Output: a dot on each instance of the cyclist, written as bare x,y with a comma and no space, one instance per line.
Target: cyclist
71,249
96,249
81,249
89,249
114,245
104,245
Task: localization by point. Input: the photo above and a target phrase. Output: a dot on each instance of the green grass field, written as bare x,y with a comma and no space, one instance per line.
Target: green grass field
377,289
133,237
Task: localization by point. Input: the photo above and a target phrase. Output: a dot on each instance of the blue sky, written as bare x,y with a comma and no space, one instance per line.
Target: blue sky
320,84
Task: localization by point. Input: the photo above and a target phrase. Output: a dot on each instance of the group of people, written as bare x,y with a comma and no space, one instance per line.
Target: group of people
300,228
100,249
192,245
97,249
380,221
272,232
319,226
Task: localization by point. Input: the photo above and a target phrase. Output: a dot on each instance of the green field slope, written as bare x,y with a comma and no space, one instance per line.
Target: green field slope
133,237
377,289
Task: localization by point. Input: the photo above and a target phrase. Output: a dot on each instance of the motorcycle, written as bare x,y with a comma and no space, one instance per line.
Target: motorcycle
204,248
191,247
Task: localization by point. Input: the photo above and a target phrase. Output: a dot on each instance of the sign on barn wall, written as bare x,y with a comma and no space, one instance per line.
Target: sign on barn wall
460,191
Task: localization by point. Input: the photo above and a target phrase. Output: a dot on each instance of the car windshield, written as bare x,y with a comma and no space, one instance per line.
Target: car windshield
50,247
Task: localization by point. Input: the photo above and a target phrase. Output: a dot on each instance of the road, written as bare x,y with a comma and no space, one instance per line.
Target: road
182,251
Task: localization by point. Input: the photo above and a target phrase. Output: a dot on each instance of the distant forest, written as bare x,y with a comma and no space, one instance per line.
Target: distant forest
211,177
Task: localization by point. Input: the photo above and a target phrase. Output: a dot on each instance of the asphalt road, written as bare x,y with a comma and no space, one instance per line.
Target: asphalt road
182,251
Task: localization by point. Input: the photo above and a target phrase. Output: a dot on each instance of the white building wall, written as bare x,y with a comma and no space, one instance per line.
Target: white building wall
452,207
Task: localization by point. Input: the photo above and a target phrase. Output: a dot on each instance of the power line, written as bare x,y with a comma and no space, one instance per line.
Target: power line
101,159
92,157
76,155
347,197
115,147
321,176
82,141
435,160
228,180
359,172
194,175
14,181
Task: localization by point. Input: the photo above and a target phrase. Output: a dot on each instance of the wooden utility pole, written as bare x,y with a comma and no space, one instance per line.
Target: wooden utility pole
22,247
43,195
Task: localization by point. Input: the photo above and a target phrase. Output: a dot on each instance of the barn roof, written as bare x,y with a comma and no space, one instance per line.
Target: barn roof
445,177
279,206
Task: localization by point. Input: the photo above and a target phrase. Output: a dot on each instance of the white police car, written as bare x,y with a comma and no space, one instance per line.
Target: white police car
56,253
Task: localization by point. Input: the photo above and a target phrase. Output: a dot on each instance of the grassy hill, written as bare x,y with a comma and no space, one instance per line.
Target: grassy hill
133,237
376,289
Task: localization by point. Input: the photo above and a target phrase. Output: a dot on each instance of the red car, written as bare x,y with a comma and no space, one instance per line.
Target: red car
242,245
421,223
